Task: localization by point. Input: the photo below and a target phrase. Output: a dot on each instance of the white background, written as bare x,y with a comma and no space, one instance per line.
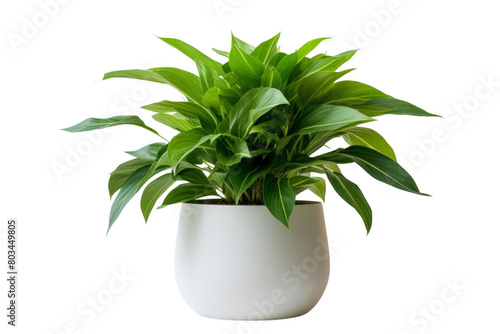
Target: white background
438,55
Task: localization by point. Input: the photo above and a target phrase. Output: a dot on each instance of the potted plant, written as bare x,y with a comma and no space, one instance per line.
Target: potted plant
249,132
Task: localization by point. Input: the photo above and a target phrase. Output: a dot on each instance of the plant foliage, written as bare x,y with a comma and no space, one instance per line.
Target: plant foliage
250,128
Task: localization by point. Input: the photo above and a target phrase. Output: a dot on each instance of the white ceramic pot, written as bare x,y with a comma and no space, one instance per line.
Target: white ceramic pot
240,263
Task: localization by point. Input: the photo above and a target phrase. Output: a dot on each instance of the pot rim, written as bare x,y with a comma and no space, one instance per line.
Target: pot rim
231,205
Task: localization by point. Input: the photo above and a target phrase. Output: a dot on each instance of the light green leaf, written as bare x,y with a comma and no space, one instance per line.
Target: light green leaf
271,78
266,50
351,193
315,184
369,138
279,198
194,54
245,66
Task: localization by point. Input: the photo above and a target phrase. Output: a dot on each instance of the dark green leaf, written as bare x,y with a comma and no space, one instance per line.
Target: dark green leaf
173,122
184,143
351,193
376,164
101,123
127,191
152,193
243,174
327,118
279,197
255,103
187,192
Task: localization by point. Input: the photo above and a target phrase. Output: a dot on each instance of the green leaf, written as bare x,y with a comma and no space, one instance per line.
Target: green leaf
286,66
147,152
101,123
369,138
189,110
192,175
255,103
379,166
313,89
243,46
351,193
327,118
185,82
184,143
271,78
231,150
187,192
386,106
329,63
315,184
266,50
123,172
173,122
349,93
152,193
309,47
207,75
279,198
194,54
245,66
127,191
222,53
243,174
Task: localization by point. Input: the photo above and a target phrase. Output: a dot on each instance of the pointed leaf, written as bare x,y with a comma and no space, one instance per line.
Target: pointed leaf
351,193
102,123
369,138
194,54
279,198
376,164
266,50
327,118
184,143
255,103
152,193
245,66
187,192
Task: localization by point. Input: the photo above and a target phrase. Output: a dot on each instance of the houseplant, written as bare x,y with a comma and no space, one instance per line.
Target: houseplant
248,135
